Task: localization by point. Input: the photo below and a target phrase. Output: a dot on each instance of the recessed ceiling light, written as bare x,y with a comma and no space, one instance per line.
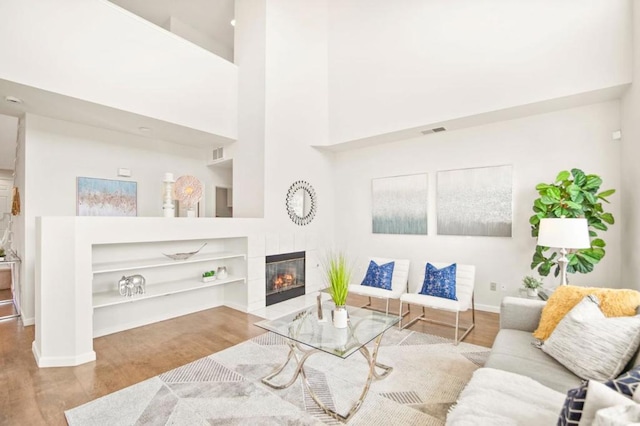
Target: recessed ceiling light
233,22
144,129
13,99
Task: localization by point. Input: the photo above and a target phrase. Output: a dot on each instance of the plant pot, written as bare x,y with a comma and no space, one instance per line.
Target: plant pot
532,292
208,279
340,317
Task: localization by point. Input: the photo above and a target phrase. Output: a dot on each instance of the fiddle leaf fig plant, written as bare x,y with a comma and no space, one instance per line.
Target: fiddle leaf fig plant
573,194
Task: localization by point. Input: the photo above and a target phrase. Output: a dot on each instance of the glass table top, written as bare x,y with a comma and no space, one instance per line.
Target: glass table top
304,327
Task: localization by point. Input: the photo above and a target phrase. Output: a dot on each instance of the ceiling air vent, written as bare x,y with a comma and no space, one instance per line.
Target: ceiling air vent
434,130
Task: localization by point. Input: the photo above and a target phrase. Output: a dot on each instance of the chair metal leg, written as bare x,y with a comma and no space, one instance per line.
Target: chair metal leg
456,325
386,310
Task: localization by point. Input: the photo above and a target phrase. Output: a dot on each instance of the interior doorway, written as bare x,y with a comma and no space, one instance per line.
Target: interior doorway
224,202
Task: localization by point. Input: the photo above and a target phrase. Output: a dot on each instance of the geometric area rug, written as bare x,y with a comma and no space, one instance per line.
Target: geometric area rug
429,372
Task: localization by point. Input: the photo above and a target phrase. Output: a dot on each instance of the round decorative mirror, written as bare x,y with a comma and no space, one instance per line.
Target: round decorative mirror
301,202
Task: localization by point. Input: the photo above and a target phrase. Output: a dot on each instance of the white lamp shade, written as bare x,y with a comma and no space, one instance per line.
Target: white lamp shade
568,233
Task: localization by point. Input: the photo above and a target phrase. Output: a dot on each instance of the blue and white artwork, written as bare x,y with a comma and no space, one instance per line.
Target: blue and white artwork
475,201
399,204
104,197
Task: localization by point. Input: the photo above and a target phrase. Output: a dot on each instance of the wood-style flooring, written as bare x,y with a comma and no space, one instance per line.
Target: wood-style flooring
39,396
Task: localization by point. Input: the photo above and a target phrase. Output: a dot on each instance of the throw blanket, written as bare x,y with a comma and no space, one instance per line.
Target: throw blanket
500,398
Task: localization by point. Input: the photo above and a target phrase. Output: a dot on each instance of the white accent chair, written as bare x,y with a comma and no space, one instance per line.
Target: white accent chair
465,282
399,282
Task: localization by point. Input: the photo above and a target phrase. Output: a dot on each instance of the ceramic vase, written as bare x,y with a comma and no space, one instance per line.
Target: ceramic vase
340,317
532,292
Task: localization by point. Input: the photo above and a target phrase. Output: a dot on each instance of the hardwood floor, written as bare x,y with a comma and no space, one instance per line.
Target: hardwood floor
33,396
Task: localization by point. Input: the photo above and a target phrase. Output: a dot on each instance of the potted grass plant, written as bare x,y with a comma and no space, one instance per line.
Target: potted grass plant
338,275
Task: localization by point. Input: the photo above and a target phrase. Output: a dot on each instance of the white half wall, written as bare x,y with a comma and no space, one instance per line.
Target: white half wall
401,65
538,147
57,152
96,51
630,170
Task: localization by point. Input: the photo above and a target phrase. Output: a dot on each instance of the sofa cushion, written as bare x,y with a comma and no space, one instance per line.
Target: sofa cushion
591,345
627,383
514,351
614,303
495,397
582,403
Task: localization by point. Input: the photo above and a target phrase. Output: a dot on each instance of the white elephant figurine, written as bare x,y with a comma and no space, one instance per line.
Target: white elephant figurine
133,284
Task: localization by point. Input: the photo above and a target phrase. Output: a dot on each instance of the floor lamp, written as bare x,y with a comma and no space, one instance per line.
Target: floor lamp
564,233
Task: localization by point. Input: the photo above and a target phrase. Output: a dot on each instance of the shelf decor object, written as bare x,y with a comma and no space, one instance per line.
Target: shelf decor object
564,233
208,276
104,197
188,191
133,284
168,209
184,256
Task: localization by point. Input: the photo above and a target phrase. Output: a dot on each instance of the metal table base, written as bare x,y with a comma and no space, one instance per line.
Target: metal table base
301,355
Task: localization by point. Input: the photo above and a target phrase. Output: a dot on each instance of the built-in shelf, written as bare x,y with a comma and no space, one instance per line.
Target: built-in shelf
130,265
223,163
110,298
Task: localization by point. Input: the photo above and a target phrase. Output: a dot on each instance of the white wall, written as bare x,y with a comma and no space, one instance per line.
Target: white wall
248,151
630,171
538,147
400,65
296,108
95,51
57,152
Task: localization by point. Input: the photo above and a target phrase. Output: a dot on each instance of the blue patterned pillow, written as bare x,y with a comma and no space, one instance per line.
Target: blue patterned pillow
440,282
379,275
574,404
627,383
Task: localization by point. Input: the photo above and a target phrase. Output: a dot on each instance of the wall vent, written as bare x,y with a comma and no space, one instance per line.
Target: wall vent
434,130
218,153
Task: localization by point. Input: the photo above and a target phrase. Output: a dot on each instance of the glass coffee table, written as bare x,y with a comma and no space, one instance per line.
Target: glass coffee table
307,334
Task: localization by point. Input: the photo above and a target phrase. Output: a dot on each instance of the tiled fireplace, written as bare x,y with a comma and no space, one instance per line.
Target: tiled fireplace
285,275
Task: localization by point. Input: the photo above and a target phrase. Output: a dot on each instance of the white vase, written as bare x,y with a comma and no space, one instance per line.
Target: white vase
340,317
532,292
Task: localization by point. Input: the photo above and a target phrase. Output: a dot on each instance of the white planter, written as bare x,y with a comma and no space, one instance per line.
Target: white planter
208,279
532,292
340,317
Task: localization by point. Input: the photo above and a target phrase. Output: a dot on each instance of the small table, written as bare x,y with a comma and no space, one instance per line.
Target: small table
305,328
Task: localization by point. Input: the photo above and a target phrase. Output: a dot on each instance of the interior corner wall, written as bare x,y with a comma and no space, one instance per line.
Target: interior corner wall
401,65
630,171
537,146
57,152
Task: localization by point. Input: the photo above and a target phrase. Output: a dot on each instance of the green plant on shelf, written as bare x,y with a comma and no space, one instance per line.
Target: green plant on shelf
208,274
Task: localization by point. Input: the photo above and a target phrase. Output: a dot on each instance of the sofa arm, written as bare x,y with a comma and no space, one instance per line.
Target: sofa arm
520,314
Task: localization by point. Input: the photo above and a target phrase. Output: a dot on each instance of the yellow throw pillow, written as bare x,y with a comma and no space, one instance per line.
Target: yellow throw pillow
613,302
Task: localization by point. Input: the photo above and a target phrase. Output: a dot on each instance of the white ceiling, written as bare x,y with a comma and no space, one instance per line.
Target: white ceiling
210,17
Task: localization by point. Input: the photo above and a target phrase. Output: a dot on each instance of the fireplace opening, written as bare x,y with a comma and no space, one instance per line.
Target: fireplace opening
285,277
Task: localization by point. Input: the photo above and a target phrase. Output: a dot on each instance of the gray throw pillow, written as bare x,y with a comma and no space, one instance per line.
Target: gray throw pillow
591,345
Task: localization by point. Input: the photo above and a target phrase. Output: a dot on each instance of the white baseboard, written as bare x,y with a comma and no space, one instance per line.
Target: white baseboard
61,361
28,321
237,307
488,308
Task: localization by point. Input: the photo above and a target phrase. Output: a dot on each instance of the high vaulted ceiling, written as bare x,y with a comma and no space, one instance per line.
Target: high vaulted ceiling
212,18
